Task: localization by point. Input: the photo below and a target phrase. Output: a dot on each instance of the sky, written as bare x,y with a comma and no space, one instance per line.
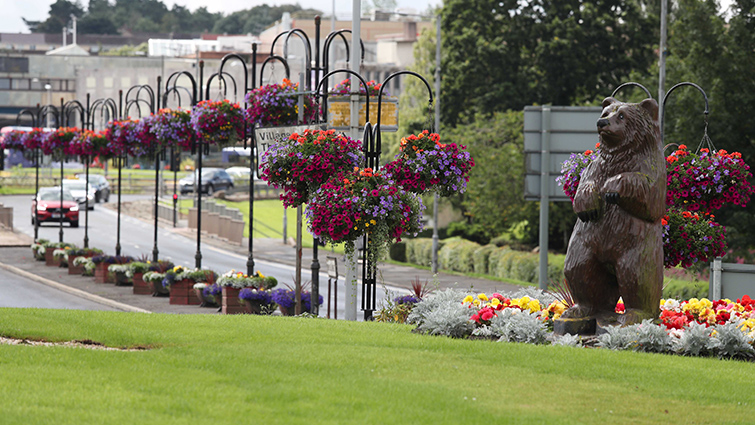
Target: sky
37,10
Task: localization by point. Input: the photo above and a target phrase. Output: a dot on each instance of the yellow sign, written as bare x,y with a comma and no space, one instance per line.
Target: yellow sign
339,115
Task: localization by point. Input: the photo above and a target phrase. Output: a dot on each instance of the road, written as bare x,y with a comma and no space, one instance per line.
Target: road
137,240
17,291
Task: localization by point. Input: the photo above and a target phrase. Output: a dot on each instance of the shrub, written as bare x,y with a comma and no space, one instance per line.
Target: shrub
684,290
397,252
480,258
525,267
494,259
456,255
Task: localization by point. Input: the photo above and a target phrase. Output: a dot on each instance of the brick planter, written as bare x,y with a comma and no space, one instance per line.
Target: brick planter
157,289
140,286
76,269
49,259
230,301
101,275
182,293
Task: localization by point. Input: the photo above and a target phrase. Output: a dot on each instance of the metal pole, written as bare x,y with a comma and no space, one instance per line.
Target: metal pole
155,251
252,170
36,193
351,262
60,232
297,277
198,182
315,279
544,192
175,185
662,64
86,177
434,268
118,227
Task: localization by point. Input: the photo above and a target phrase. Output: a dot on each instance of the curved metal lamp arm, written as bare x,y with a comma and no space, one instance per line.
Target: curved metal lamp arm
394,75
629,84
671,90
273,59
348,71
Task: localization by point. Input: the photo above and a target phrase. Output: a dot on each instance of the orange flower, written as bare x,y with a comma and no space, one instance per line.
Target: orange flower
672,159
722,152
588,152
664,222
686,214
597,146
704,150
682,147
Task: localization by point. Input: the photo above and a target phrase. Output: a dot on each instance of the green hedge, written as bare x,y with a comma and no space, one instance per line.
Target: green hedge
464,256
481,256
684,290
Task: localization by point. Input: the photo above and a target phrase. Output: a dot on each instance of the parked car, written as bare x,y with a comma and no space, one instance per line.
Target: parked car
212,179
80,192
100,184
46,206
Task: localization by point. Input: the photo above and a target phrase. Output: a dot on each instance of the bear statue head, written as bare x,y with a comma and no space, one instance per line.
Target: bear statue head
621,123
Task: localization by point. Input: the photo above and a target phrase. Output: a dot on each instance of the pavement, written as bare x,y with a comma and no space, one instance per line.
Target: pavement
16,257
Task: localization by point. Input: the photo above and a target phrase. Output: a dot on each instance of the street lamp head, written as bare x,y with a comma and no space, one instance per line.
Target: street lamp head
48,86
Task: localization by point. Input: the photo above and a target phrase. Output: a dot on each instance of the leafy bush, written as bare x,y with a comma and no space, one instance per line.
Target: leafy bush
480,258
494,260
456,255
472,232
684,290
420,251
397,252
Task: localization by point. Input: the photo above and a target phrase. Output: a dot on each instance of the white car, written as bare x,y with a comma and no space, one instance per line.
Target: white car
79,192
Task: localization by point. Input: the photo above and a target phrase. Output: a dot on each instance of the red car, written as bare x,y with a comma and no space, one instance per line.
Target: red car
48,208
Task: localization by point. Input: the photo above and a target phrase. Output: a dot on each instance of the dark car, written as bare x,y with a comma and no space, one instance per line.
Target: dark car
212,179
46,206
100,184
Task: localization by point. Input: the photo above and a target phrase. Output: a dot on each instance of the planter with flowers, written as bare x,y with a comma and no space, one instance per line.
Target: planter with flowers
208,294
360,202
172,128
286,300
232,282
119,137
426,164
339,107
305,161
39,248
85,264
74,253
182,288
55,142
103,262
138,270
257,301
50,258
154,280
276,105
120,274
218,122
60,256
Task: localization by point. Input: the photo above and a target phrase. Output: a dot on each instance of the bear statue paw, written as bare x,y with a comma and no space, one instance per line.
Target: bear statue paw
586,216
577,312
612,198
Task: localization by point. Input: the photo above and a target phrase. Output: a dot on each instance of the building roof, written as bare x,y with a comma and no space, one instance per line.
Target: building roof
69,50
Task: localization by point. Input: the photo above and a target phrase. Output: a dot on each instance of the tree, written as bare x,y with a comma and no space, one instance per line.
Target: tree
501,55
60,14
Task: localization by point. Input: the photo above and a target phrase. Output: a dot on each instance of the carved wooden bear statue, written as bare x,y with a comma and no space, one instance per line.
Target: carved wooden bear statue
616,248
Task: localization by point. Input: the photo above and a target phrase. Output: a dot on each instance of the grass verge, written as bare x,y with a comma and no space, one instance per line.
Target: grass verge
231,369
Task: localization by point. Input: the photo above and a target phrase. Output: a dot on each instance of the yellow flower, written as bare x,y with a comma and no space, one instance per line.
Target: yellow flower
495,302
467,299
483,297
476,302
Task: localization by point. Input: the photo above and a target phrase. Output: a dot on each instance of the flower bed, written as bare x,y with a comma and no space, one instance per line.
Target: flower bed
305,161
286,300
233,282
722,328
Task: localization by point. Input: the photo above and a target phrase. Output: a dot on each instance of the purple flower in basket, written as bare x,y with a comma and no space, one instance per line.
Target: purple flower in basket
287,298
406,299
264,297
212,290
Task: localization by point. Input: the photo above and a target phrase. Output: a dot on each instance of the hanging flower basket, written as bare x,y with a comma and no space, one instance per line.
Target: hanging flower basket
119,137
351,204
304,162
426,164
81,145
691,237
141,140
13,139
218,122
173,129
708,180
32,140
276,105
572,168
55,142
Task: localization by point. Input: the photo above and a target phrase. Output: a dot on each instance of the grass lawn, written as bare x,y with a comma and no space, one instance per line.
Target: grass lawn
252,369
